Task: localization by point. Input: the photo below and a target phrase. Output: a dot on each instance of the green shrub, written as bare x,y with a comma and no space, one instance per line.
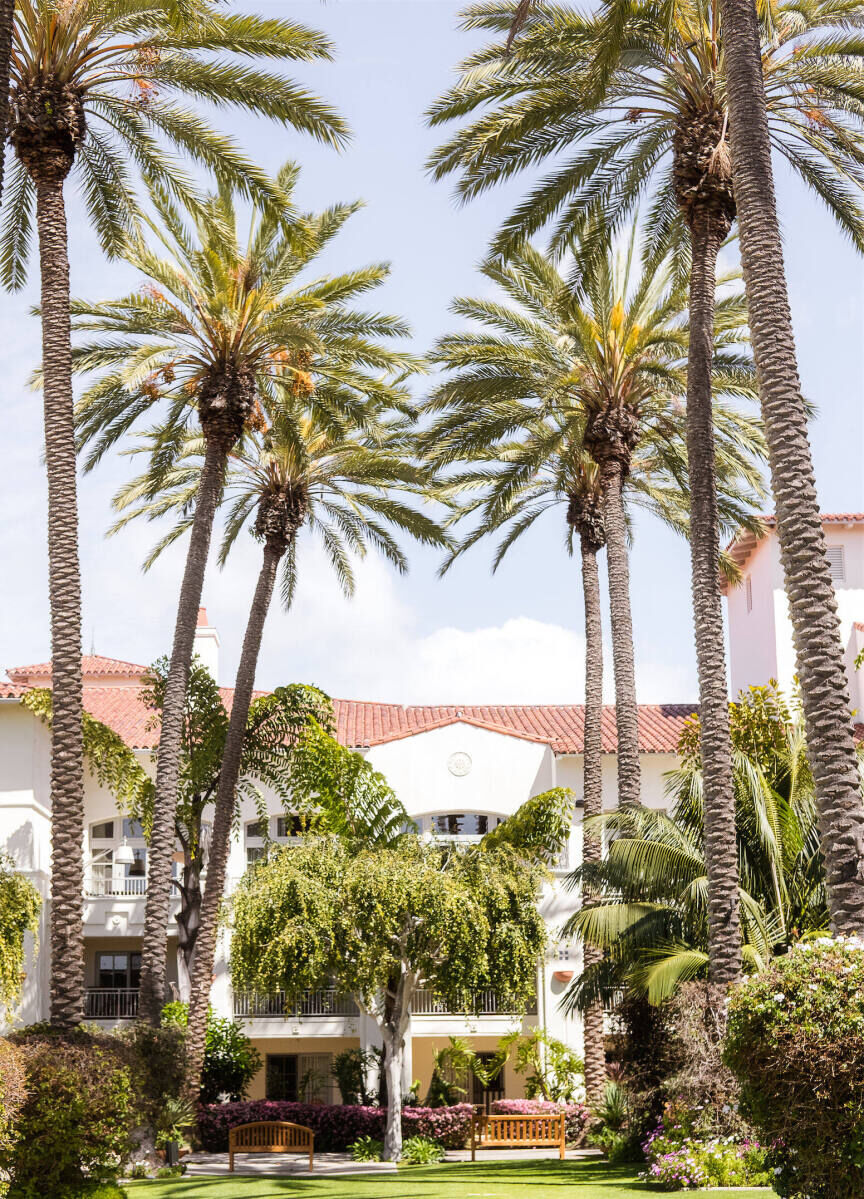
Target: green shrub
74,1125
231,1061
13,1092
421,1151
171,1171
366,1149
795,1040
156,1059
102,1190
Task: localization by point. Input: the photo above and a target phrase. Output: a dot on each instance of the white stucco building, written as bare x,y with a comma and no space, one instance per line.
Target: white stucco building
456,769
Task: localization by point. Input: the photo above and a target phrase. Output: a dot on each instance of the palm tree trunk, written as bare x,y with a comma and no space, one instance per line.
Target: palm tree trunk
161,848
721,852
7,28
67,746
809,589
223,818
594,1041
618,565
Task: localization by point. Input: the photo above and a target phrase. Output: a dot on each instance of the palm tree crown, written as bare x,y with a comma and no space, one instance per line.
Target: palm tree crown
97,82
635,93
551,374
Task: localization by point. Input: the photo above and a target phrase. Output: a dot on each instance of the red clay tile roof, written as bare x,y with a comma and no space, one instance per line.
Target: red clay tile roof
91,665
743,543
360,723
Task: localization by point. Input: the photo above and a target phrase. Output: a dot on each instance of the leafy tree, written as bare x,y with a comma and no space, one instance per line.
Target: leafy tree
20,904
226,334
638,99
265,762
95,86
231,1061
551,1069
386,920
651,919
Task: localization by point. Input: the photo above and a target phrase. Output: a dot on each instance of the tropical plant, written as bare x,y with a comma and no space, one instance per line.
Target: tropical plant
637,94
20,905
651,919
386,920
94,84
271,723
224,333
350,1068
552,1070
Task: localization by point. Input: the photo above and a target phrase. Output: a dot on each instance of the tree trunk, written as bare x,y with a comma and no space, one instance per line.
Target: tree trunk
67,747
721,851
188,923
617,561
809,589
7,29
394,1046
154,949
223,818
592,801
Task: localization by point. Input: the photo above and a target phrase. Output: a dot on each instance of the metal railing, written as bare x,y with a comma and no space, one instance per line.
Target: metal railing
99,881
325,1002
483,1003
111,1003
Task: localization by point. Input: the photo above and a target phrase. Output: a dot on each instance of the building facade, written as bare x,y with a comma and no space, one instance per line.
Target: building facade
458,770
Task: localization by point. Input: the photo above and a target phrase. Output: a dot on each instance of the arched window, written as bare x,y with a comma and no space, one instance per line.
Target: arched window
460,826
260,834
118,858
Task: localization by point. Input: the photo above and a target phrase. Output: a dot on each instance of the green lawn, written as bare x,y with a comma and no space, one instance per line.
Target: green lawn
492,1180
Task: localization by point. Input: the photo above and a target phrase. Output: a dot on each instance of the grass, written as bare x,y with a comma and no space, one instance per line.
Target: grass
492,1180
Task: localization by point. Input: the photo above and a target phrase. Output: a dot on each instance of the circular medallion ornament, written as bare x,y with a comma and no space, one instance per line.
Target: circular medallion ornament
459,764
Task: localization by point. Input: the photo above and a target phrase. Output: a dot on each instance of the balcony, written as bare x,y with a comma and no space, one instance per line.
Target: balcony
111,1003
100,883
282,1005
484,1003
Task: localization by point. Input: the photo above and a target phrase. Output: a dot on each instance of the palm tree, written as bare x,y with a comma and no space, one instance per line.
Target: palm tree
516,412
92,85
604,374
223,331
642,90
650,923
306,469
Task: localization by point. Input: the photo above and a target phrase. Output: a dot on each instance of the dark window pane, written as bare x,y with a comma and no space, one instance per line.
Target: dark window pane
103,832
464,824
138,868
132,828
282,1076
258,828
289,826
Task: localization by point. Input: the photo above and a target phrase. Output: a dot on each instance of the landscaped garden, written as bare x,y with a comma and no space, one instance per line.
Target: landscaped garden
491,1180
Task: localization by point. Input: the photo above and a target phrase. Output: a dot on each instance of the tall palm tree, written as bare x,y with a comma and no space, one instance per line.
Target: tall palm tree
220,334
604,372
307,469
516,408
641,90
93,85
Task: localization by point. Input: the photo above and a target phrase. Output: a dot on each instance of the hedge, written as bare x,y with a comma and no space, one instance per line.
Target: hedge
335,1126
577,1115
795,1039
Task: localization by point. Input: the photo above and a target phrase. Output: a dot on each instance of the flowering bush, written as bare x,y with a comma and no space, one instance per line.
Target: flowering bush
795,1040
678,1158
576,1114
335,1126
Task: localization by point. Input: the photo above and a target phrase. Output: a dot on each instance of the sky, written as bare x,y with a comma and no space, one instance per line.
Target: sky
472,637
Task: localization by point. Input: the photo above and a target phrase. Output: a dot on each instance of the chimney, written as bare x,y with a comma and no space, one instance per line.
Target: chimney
207,644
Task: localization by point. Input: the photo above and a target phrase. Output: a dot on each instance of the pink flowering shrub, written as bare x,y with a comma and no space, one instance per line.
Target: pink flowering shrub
677,1160
577,1115
335,1126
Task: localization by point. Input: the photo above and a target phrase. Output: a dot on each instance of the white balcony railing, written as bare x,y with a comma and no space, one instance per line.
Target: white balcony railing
100,881
111,1003
280,1004
483,1003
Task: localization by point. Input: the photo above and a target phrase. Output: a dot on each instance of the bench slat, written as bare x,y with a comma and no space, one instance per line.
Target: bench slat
270,1136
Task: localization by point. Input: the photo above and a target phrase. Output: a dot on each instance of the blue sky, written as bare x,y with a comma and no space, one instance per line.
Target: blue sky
471,637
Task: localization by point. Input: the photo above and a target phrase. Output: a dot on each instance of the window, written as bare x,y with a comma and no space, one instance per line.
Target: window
748,588
464,824
118,970
138,867
258,829
281,1077
836,563
292,825
255,853
103,831
305,1077
132,828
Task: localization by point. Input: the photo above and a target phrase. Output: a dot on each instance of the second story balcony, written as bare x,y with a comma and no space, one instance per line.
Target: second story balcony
111,1003
283,1005
105,881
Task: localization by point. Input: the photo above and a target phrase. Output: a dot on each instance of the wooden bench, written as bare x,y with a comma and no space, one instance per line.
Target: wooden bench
270,1136
517,1132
